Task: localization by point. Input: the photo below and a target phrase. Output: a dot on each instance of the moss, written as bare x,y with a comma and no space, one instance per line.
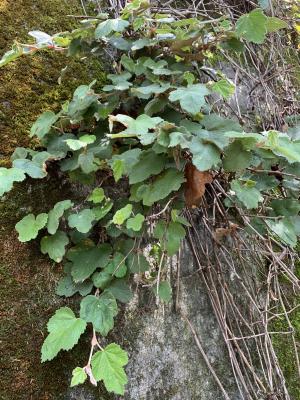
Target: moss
27,294
29,85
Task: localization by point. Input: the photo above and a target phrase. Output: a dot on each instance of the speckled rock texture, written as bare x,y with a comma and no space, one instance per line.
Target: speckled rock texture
164,361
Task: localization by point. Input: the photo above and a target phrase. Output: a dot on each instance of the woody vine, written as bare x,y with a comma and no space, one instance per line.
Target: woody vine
153,129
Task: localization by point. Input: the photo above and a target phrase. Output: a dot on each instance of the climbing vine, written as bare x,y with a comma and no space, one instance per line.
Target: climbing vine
153,130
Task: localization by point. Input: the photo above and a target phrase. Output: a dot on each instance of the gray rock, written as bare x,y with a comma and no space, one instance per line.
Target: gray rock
164,361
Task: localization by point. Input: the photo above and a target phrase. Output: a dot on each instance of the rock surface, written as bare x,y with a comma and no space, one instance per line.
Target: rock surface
164,361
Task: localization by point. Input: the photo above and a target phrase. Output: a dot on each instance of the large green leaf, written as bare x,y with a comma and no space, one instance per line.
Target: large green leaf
120,290
247,193
64,332
191,98
29,227
55,246
205,155
100,311
148,164
82,221
107,365
283,146
286,207
35,168
87,260
43,124
236,157
252,26
170,181
8,177
56,213
284,229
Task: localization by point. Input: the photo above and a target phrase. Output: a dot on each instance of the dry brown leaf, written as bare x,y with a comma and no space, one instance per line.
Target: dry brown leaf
220,233
195,185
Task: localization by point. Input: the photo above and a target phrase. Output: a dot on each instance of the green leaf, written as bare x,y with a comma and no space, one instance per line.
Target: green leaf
164,291
252,26
55,245
8,177
171,180
67,287
84,140
275,24
97,196
236,157
87,162
117,266
118,169
154,88
83,98
247,193
205,155
35,168
120,290
218,124
135,223
100,311
101,279
56,213
137,263
286,207
224,87
107,365
174,235
11,55
129,158
281,145
191,98
78,376
148,164
29,227
177,218
43,124
122,215
284,229
87,260
136,127
105,28
64,332
100,212
82,221
180,139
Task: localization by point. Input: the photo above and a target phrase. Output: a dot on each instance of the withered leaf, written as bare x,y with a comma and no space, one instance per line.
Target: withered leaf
195,185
